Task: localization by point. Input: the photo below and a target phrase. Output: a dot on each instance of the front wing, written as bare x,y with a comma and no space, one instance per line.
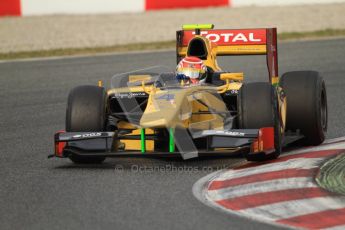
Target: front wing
219,143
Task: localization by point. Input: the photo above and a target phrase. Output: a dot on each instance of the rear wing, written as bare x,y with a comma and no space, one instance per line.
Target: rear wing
237,42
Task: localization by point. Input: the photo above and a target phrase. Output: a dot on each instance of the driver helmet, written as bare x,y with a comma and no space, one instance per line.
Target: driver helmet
191,70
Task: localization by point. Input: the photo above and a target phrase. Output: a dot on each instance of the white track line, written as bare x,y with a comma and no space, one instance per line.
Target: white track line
334,140
255,188
298,163
340,145
295,208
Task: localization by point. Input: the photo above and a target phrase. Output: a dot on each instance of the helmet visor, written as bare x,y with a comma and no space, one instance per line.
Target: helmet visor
189,72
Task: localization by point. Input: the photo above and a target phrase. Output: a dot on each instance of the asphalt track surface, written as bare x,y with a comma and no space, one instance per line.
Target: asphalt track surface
37,193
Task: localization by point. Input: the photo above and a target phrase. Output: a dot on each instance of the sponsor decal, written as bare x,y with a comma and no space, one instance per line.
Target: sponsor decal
230,37
222,132
130,95
232,133
87,135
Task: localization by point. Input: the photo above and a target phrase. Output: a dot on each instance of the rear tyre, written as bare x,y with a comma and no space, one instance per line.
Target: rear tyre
258,108
306,105
86,113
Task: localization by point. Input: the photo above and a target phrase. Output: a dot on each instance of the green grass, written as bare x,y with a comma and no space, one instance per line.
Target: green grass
332,175
87,50
312,34
152,46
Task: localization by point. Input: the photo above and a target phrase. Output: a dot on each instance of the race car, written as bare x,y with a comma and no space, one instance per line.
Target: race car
150,112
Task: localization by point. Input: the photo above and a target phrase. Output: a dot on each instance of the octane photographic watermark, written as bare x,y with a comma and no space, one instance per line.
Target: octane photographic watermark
168,168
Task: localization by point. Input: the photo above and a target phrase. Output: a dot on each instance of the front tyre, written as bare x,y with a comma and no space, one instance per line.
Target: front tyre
86,113
258,108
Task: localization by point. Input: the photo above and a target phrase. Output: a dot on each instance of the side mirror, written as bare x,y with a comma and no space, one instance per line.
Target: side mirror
231,76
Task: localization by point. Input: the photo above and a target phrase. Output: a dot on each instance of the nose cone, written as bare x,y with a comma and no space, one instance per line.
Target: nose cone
165,109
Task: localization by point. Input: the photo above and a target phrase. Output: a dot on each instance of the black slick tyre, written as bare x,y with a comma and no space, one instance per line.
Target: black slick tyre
306,105
86,113
258,108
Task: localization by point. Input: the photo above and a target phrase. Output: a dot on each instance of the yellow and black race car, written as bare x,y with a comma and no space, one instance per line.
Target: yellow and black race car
149,112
